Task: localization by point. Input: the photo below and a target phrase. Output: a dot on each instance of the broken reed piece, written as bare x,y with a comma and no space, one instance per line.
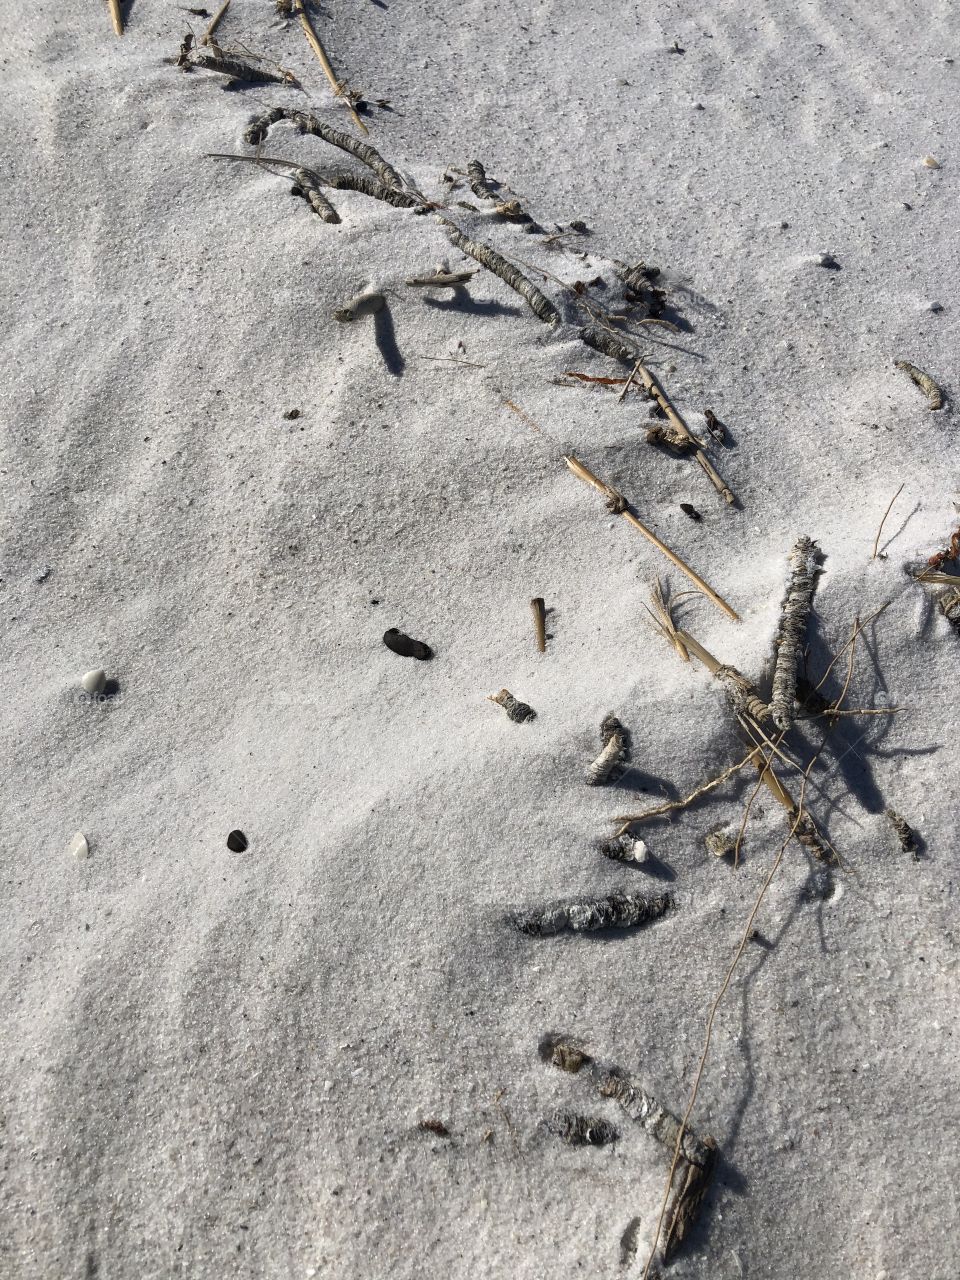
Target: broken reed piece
260,125
306,182
581,1131
883,521
906,836
364,304
617,504
116,16
585,915
538,609
516,710
215,22
441,280
539,304
614,756
923,380
805,561
339,88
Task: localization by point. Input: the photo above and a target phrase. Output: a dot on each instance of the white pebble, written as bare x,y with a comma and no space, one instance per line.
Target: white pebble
94,681
78,847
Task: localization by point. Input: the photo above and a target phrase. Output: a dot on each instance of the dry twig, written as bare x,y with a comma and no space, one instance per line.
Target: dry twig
923,380
339,87
876,541
116,16
618,505
539,622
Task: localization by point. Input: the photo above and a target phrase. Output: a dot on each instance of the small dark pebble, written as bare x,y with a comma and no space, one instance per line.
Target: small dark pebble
689,510
291,414
236,842
407,648
435,1126
579,226
829,261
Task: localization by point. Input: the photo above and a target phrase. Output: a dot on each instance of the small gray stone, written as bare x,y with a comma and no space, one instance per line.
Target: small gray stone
94,681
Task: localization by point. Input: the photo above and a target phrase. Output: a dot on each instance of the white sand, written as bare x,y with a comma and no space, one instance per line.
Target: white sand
215,1064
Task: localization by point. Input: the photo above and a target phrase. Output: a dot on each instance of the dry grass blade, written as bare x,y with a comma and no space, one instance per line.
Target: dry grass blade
876,541
708,1036
318,49
663,617
628,819
116,16
215,22
617,505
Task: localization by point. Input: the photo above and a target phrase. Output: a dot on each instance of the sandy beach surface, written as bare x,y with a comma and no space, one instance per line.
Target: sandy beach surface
318,1057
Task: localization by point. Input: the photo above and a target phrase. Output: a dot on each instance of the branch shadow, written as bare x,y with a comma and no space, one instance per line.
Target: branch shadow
386,340
464,304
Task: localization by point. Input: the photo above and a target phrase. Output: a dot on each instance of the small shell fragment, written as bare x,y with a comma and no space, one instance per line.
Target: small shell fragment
625,848
94,681
79,848
931,162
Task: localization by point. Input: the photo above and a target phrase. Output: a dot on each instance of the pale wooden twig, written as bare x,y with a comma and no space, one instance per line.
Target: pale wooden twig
629,382
539,622
116,16
215,22
860,627
617,504
876,541
318,49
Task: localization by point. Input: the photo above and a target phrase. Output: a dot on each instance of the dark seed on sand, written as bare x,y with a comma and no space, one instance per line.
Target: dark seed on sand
406,647
236,842
292,414
689,510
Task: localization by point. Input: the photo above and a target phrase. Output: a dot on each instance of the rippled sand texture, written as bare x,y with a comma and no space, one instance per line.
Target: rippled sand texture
218,1064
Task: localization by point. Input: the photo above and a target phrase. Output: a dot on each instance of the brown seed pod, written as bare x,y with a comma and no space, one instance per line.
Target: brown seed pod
397,642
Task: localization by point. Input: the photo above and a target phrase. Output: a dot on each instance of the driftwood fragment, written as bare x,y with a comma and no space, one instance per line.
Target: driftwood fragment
539,304
923,380
581,1131
906,835
584,915
805,560
516,710
614,755
260,125
477,178
364,304
441,280
625,848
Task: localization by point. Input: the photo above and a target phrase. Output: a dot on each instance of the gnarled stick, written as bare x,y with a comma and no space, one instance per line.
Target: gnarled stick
260,125
924,382
794,614
539,304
